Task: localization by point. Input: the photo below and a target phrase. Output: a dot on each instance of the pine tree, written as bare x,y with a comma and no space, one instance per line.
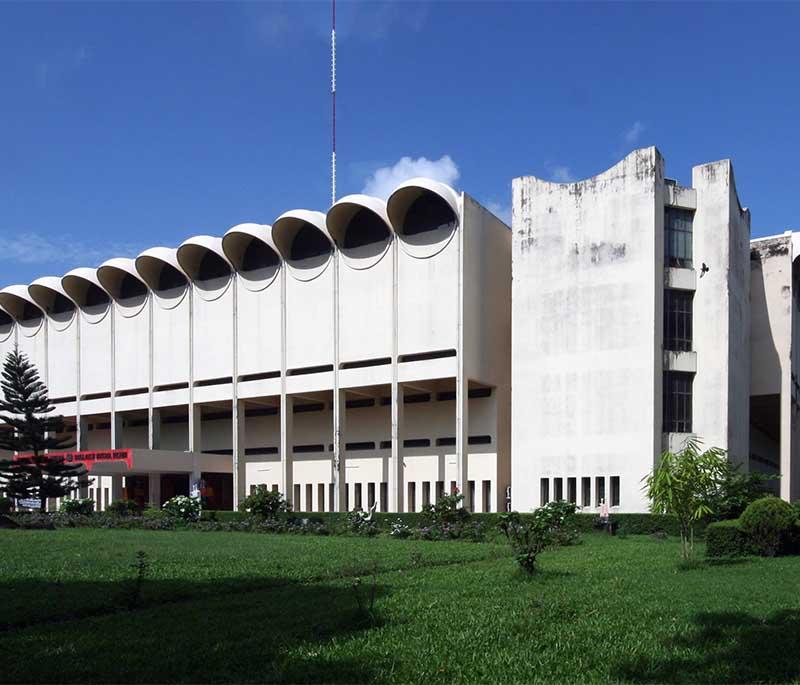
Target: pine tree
30,430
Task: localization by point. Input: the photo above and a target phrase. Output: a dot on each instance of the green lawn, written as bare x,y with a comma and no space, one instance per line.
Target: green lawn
225,607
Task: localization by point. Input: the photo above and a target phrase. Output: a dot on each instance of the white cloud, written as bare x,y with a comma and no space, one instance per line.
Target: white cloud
384,180
29,247
559,173
632,134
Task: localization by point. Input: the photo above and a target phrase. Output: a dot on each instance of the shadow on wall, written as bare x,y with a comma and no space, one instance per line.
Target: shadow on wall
220,631
725,647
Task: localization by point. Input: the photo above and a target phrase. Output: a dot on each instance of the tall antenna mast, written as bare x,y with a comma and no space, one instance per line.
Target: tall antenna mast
333,101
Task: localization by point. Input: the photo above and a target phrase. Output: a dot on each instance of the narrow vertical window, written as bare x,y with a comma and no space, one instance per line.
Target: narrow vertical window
384,497
586,491
487,496
471,495
677,402
600,490
411,505
544,491
678,320
321,497
558,489
426,493
678,237
614,491
439,489
370,495
357,496
309,497
572,490
296,495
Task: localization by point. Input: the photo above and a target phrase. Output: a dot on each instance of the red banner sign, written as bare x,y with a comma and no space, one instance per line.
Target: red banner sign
91,457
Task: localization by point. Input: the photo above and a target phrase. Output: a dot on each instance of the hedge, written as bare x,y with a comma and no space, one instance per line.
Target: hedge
630,524
727,539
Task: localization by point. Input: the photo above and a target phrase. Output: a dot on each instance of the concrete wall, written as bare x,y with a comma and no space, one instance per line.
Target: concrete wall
587,322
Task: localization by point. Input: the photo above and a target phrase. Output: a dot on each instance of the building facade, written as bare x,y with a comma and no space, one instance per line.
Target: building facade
631,328
353,358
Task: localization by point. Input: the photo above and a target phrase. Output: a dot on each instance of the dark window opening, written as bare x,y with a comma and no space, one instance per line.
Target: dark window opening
386,444
171,386
365,228
259,376
428,213
558,489
96,396
309,242
213,381
600,490
572,490
479,440
678,320
416,399
445,442
384,497
445,396
614,491
307,449
423,356
310,369
303,408
253,451
544,491
363,364
417,442
678,237
677,402
586,491
359,446
130,391
360,404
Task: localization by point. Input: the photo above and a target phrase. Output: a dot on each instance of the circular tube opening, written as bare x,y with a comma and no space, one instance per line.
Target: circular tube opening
256,262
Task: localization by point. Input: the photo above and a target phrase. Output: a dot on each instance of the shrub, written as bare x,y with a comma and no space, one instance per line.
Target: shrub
448,510
361,523
5,505
264,502
183,508
768,522
530,536
727,539
123,507
81,507
400,529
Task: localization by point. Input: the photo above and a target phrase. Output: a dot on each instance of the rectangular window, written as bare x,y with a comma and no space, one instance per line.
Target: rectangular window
586,491
471,486
453,487
357,497
330,496
678,237
599,490
321,497
411,504
274,487
572,490
678,320
296,496
677,402
558,489
439,489
426,493
487,496
370,495
614,491
309,497
544,491
384,496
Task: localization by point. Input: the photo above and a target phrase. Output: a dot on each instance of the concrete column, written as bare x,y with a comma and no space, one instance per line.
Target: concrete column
340,502
116,488
287,442
154,429
396,460
82,438
195,428
117,427
239,454
154,487
462,439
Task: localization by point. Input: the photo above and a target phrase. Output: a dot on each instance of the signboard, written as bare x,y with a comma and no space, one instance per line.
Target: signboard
90,457
29,503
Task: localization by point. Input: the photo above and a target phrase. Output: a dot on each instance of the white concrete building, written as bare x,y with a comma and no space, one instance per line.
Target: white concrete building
352,358
631,328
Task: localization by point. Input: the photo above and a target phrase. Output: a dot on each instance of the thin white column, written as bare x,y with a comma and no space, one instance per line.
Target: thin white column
396,459
239,454
339,451
462,383
287,442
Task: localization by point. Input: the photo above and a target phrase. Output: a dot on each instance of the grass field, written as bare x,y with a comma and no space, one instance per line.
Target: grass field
225,607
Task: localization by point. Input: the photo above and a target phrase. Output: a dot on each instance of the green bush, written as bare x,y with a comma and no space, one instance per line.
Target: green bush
727,539
264,502
529,537
81,507
123,507
5,505
768,523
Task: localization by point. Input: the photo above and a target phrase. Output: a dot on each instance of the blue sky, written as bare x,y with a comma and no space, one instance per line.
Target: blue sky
124,126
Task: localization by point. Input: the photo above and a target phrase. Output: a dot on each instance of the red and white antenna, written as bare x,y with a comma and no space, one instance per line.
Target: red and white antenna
333,101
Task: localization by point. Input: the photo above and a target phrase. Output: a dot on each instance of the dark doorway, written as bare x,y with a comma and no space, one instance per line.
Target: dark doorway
218,493
174,484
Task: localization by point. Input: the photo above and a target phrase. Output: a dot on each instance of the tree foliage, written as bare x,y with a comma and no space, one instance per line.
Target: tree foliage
30,430
686,484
